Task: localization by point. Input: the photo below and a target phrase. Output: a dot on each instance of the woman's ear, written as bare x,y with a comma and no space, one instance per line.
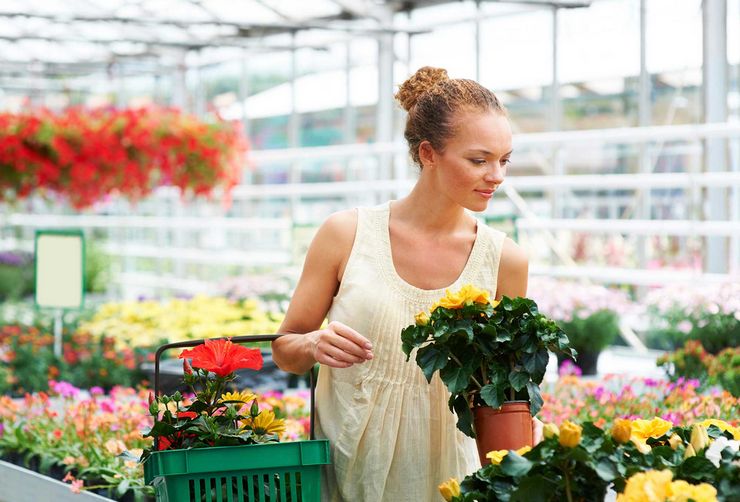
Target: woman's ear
426,154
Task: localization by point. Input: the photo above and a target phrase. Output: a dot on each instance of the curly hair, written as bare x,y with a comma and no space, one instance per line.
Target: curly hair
433,100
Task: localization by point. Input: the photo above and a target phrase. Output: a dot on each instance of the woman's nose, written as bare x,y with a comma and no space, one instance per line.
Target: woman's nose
495,173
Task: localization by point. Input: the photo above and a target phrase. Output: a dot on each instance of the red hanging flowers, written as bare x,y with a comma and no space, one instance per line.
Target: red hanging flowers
222,357
86,155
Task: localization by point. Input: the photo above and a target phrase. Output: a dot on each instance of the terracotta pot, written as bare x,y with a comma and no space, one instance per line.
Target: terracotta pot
505,428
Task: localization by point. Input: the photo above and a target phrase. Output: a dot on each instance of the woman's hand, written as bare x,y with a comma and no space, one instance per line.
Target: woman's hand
339,346
537,427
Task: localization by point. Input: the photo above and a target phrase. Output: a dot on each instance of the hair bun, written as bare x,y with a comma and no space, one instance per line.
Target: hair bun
420,82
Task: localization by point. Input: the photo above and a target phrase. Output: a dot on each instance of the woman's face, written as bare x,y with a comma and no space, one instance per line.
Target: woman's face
473,163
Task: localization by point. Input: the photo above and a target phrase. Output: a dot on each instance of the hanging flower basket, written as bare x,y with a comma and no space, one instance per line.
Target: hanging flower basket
86,155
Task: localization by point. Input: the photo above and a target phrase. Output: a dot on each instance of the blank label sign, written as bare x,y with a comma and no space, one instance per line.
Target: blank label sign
59,271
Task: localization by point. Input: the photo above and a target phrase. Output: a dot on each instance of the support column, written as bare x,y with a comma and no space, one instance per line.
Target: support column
644,119
384,109
715,110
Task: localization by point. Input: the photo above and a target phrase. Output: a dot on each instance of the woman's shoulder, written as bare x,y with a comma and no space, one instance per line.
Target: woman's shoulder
337,233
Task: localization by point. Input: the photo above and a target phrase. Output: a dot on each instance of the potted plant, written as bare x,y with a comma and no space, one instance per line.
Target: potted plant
492,357
221,445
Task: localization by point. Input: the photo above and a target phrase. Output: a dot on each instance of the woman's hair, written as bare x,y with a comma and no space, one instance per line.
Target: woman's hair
433,100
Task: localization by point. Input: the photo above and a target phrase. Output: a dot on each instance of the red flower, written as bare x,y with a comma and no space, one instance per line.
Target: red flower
223,357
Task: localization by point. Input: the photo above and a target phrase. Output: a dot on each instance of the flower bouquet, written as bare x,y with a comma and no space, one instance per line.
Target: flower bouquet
492,357
221,445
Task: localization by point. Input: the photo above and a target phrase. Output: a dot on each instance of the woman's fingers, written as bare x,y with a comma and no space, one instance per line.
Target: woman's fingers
340,346
537,427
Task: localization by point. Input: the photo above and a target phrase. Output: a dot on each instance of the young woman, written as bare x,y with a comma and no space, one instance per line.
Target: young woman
370,270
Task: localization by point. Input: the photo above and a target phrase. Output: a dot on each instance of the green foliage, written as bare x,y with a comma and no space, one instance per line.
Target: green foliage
485,355
592,333
551,472
692,361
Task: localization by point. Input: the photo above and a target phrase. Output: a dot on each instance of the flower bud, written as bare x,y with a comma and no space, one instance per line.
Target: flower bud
690,452
449,489
699,437
151,398
186,368
570,434
254,410
177,396
621,430
153,407
675,441
550,430
422,318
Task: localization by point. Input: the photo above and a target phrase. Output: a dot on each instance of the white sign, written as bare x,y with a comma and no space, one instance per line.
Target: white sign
59,270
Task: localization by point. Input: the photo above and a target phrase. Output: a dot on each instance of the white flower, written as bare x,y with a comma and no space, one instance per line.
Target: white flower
714,452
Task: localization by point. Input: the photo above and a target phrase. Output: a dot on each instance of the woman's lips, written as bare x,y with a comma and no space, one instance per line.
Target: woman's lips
485,193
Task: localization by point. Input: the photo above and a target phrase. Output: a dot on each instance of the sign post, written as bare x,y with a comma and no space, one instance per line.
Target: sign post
60,275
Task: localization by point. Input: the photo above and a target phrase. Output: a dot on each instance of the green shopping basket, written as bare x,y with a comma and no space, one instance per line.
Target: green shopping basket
273,472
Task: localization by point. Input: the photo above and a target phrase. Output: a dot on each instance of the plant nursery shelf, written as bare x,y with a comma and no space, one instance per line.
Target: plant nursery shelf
21,485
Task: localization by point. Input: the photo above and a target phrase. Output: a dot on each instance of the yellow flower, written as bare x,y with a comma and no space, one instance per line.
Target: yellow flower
699,437
622,430
422,319
649,486
724,426
449,489
523,450
570,434
467,295
690,452
242,397
496,456
681,491
550,430
675,441
644,429
265,423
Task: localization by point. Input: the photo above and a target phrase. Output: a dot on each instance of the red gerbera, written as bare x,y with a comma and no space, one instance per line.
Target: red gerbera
222,357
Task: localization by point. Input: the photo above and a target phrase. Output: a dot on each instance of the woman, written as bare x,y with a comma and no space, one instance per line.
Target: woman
369,270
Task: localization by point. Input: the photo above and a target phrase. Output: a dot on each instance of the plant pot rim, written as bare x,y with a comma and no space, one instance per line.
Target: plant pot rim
516,401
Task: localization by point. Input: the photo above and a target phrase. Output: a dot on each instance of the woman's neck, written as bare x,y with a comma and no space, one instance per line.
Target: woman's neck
427,210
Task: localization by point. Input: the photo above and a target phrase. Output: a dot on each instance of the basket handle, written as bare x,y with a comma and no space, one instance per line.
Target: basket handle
234,339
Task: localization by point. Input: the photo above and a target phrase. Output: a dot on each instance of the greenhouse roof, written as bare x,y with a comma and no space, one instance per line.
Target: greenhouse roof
48,39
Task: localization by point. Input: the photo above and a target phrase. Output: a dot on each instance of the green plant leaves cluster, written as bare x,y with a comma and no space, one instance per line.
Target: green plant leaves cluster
485,355
208,421
553,473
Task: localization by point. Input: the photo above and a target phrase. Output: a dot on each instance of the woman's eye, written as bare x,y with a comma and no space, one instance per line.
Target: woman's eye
478,162
505,162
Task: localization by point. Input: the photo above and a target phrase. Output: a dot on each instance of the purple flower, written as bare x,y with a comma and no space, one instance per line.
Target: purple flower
15,258
96,391
2,429
649,382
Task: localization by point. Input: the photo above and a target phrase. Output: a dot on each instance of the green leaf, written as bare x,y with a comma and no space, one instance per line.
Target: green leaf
456,378
515,465
431,359
536,363
464,415
518,379
534,488
535,398
697,469
492,395
606,470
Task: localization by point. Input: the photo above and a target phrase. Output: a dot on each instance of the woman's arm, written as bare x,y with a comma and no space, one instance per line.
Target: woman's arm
513,271
303,343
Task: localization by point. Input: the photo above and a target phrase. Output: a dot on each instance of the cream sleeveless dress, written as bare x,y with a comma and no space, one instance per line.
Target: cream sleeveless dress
392,436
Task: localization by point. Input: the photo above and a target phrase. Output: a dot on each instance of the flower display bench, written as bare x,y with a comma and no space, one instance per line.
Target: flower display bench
22,485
